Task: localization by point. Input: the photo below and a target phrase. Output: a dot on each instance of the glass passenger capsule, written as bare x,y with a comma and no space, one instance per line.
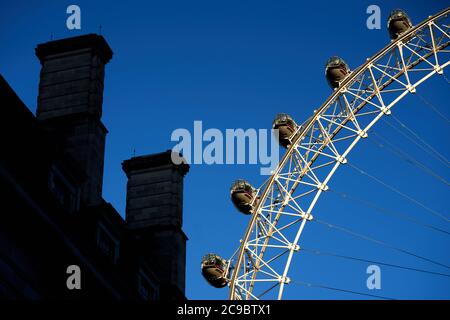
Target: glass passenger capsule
336,70
286,128
242,195
214,269
398,23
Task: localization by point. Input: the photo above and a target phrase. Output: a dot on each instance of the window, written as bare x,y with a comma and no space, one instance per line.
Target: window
107,243
64,191
147,289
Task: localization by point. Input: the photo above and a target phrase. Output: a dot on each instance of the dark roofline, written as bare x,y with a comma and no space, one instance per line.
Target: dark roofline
21,119
9,96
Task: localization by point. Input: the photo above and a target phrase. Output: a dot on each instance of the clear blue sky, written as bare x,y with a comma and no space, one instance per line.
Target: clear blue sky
235,64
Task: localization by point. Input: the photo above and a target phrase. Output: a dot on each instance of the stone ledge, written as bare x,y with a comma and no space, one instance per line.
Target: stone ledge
152,161
92,41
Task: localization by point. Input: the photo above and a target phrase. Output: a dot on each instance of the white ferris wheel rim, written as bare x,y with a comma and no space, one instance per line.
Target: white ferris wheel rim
241,287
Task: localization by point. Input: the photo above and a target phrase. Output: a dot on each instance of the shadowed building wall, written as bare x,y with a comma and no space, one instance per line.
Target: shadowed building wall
51,172
70,103
154,213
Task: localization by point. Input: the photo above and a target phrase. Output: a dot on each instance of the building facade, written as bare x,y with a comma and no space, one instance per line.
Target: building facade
51,178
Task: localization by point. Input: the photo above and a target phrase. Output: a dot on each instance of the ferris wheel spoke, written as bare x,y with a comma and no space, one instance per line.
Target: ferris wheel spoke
385,144
379,242
437,153
413,200
311,285
433,108
414,141
390,212
377,262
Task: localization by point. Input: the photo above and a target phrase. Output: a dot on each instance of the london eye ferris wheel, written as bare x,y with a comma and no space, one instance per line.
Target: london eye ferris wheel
280,209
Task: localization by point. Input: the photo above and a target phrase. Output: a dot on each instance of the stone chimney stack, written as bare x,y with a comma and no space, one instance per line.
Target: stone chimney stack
154,214
70,103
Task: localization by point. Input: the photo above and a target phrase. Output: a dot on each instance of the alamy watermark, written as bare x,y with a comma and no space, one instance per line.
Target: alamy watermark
374,20
234,146
74,20
73,281
374,280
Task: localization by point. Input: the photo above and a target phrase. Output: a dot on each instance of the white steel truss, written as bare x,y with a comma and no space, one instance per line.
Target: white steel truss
259,268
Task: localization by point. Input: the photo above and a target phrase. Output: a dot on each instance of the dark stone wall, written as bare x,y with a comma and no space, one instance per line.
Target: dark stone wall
167,255
154,212
70,103
154,197
71,83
